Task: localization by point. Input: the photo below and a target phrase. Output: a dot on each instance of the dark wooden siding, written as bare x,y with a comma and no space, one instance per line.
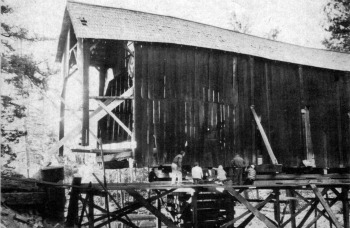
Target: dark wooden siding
203,97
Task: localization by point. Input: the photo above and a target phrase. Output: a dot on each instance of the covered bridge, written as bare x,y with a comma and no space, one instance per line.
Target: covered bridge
180,83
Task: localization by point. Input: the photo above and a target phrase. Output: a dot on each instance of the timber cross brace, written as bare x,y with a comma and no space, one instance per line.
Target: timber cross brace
299,205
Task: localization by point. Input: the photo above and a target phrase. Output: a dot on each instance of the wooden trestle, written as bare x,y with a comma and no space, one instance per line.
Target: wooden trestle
212,205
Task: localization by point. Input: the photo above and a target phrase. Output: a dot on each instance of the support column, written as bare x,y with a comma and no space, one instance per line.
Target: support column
65,71
195,210
277,209
252,101
292,207
83,61
345,200
103,75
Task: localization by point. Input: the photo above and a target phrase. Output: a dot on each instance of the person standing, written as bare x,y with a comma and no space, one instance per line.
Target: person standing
251,175
221,173
197,173
176,168
238,165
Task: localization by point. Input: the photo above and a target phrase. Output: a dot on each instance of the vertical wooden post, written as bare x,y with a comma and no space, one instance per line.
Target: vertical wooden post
159,207
292,207
339,125
102,83
277,209
252,101
83,61
72,215
267,88
345,201
91,209
195,209
65,71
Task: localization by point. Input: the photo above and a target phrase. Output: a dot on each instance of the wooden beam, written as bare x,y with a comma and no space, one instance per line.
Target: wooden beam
151,208
72,215
102,81
292,207
277,209
111,97
263,135
195,210
325,205
65,71
100,103
345,201
98,151
83,62
339,124
257,214
252,102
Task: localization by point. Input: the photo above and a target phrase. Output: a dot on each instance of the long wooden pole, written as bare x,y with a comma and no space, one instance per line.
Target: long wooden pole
83,61
263,135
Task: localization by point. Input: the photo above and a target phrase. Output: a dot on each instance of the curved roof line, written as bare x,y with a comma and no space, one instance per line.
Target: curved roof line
122,24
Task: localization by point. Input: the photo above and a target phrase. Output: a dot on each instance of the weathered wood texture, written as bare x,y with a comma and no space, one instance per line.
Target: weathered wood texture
202,98
186,96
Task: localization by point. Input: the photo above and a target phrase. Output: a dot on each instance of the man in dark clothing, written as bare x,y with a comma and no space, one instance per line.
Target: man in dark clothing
238,165
176,168
152,176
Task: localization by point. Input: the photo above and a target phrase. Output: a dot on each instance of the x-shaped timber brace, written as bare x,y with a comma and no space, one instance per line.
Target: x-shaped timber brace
105,217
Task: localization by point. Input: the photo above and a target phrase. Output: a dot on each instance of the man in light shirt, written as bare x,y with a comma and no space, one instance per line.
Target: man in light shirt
197,173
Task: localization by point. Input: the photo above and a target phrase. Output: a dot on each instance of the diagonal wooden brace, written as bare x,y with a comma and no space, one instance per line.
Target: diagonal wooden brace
255,211
151,208
259,206
114,117
325,205
98,114
264,136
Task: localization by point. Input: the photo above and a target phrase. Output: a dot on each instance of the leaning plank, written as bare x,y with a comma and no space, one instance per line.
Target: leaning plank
95,116
151,208
325,205
265,139
259,215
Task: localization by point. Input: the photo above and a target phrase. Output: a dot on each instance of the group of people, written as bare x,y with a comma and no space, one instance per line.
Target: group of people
238,165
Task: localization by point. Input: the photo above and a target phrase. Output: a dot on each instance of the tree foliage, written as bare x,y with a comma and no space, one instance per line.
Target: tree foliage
19,71
338,24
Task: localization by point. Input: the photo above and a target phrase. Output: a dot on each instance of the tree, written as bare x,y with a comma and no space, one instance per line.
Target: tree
338,24
20,72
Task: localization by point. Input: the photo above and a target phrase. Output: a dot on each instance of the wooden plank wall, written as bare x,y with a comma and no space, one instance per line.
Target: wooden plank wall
186,95
203,97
